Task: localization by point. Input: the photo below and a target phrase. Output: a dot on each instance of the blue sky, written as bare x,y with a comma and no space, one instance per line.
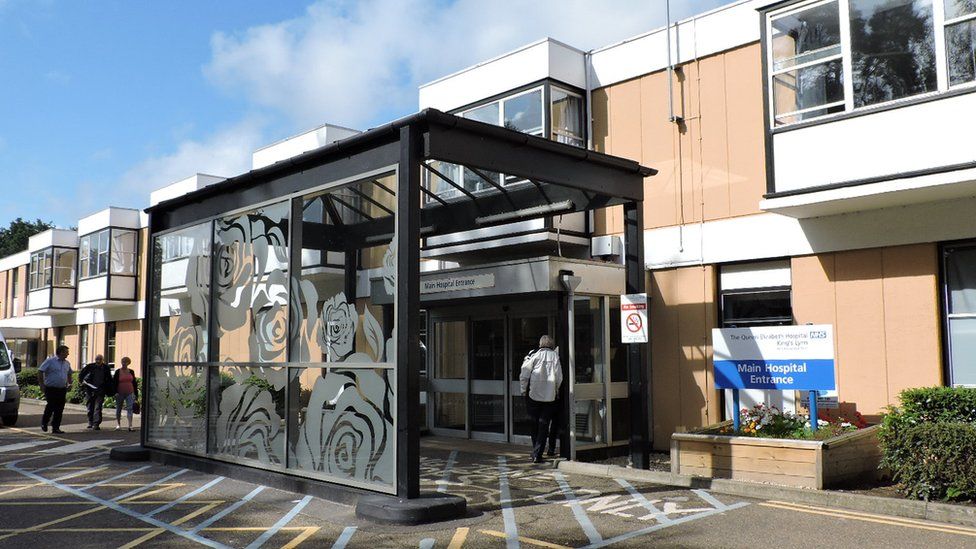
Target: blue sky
102,102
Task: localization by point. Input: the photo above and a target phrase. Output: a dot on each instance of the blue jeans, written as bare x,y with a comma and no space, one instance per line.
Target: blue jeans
128,400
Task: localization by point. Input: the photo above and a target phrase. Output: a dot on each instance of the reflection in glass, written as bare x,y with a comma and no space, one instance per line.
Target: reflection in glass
959,8
962,336
805,36
451,355
589,340
961,51
250,411
177,407
590,421
620,412
341,424
64,267
488,413
892,49
960,273
521,422
808,88
449,411
487,114
616,349
488,342
123,252
524,113
184,297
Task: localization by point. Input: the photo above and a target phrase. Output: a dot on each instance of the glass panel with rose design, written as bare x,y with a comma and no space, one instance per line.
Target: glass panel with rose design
248,418
177,407
182,286
252,285
342,425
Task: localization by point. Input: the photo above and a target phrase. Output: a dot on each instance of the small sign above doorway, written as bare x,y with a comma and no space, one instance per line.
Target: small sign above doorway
452,283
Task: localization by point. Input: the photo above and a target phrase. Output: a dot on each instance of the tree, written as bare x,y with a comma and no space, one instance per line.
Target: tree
13,239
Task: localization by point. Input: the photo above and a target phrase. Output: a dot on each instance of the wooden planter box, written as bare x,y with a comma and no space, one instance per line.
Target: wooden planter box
802,463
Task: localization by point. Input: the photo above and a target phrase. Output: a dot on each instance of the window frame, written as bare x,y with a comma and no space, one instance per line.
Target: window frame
939,24
945,309
94,256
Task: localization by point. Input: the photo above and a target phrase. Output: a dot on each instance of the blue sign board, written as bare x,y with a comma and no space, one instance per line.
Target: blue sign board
799,358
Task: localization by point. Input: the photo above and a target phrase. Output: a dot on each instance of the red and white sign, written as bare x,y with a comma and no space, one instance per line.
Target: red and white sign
633,318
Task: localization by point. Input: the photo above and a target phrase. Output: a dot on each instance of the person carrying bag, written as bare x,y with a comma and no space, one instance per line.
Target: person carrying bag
540,380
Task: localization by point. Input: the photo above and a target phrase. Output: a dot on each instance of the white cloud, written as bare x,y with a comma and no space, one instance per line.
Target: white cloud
226,152
350,62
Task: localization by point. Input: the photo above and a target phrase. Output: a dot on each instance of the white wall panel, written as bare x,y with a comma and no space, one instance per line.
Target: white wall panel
40,299
91,289
927,135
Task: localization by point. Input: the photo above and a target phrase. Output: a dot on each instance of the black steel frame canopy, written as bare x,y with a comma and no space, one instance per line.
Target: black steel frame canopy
557,178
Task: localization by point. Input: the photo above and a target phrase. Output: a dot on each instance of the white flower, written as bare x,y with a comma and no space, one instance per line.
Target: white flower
339,320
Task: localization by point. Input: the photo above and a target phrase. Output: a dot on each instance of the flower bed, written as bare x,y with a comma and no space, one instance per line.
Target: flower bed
777,448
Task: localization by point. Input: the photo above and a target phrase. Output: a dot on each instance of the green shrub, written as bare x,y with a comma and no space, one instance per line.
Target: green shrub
929,443
935,460
27,376
31,391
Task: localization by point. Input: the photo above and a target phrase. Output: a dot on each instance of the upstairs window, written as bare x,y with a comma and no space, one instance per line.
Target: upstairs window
833,56
39,275
566,112
93,254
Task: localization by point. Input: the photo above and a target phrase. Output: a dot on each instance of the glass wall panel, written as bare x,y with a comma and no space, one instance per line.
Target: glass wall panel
590,421
249,418
177,407
252,285
342,424
449,411
809,92
960,270
620,412
805,36
617,351
962,335
183,298
892,49
589,340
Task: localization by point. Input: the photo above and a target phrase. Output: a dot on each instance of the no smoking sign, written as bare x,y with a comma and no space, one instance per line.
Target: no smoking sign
633,318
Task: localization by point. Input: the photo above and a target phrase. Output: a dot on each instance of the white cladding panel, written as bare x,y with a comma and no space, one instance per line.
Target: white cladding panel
15,260
715,31
123,287
92,289
773,236
63,298
928,135
294,146
52,237
543,59
765,274
184,186
38,299
109,217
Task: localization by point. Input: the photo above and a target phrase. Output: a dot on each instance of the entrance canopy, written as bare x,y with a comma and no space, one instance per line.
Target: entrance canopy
271,342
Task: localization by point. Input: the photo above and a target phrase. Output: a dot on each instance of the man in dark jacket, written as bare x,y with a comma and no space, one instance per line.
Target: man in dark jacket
96,380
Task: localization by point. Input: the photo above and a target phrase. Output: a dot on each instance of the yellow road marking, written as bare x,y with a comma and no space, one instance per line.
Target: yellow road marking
150,529
177,522
523,539
300,537
46,524
162,488
458,540
12,490
42,435
868,517
161,502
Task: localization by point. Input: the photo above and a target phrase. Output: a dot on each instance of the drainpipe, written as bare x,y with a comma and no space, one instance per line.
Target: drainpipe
671,115
587,68
571,282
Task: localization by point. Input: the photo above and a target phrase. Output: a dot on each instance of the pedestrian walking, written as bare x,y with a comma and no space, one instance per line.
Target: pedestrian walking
540,380
96,381
126,392
55,376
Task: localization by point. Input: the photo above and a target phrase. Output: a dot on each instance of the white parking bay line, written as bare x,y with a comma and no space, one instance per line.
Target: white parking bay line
710,499
25,445
578,512
78,447
661,516
281,523
116,477
227,511
344,538
183,498
446,479
80,473
505,498
145,487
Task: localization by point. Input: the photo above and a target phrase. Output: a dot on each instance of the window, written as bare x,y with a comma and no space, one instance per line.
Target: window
93,254
960,308
960,40
110,329
83,344
833,56
39,275
123,252
566,112
178,247
524,111
64,267
766,307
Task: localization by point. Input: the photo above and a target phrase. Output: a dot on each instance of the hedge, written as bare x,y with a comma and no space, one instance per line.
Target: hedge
29,383
929,443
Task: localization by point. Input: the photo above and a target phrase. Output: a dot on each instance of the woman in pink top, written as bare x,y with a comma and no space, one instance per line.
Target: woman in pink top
126,392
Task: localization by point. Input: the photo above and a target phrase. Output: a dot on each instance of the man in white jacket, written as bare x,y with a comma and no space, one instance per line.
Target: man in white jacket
540,379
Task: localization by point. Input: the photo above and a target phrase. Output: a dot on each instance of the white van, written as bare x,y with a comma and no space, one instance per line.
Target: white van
9,391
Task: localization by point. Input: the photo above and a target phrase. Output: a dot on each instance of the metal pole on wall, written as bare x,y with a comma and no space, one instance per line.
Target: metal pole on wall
571,282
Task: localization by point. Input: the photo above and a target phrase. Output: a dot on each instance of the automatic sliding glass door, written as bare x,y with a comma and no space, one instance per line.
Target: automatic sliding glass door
487,404
525,334
448,387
